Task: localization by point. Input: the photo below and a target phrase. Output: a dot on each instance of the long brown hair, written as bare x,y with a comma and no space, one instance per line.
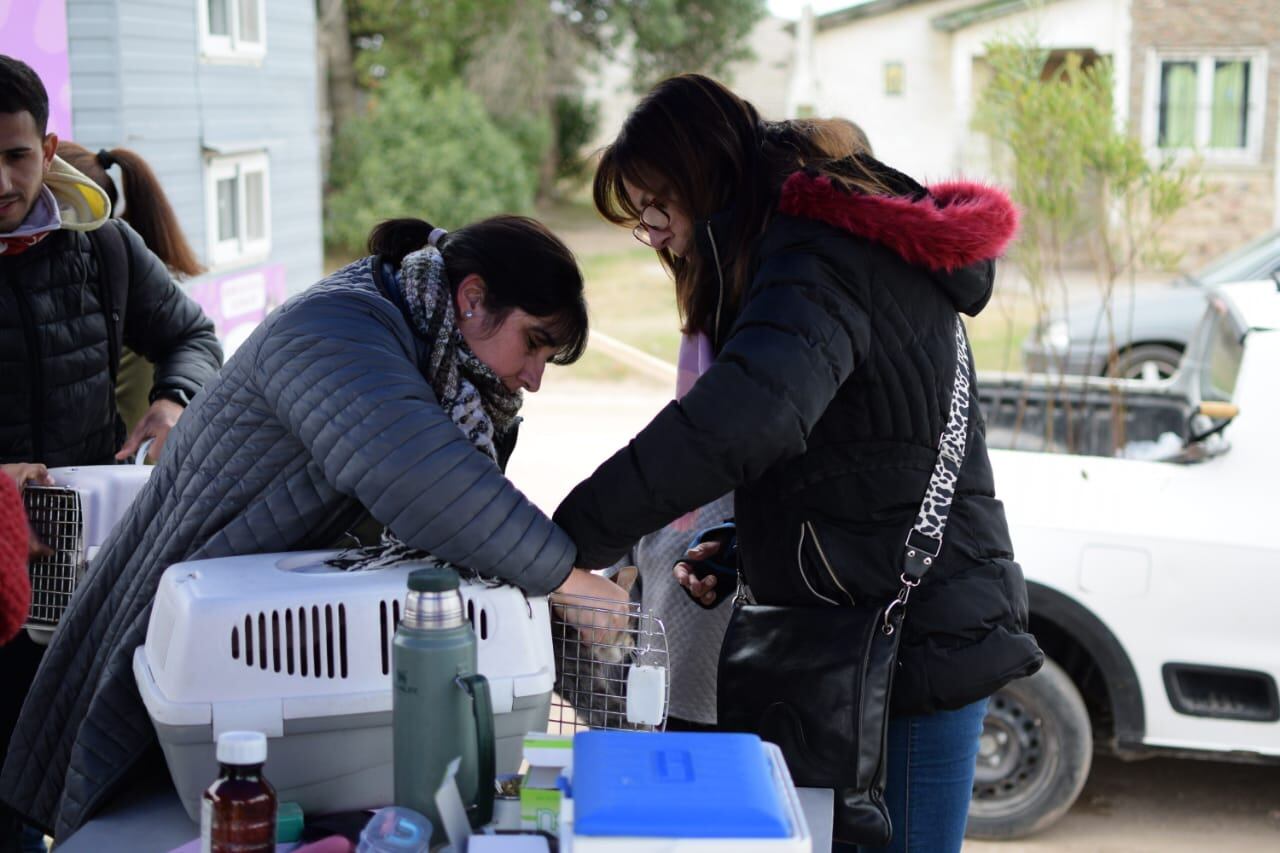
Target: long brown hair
708,151
147,208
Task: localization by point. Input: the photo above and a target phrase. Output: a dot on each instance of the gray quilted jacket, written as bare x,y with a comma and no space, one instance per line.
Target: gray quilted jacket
323,409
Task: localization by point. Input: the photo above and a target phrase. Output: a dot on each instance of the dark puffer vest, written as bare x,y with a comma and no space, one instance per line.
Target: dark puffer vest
61,332
823,410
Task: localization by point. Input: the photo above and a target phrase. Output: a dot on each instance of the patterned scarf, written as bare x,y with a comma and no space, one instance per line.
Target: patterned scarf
468,390
471,393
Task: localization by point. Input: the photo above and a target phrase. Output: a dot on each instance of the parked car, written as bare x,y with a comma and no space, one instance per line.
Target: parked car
1151,324
1137,511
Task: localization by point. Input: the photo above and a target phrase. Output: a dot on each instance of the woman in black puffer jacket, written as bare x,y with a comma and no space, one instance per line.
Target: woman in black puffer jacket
829,289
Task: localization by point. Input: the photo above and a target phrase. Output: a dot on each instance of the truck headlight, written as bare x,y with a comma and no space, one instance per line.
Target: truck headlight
1057,336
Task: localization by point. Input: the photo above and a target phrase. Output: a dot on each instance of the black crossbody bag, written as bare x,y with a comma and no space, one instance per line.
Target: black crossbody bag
817,680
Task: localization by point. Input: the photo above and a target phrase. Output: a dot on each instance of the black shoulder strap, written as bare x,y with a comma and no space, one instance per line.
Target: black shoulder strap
113,283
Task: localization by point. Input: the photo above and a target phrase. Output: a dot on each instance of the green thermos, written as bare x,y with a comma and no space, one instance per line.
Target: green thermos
440,705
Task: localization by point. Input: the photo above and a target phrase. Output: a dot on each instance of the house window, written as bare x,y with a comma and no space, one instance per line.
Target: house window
239,209
233,29
1211,103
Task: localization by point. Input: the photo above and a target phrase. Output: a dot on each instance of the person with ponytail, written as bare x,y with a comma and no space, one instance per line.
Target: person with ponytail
390,391
148,212
824,289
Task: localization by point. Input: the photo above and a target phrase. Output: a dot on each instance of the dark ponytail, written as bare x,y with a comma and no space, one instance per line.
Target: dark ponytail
395,238
147,208
523,265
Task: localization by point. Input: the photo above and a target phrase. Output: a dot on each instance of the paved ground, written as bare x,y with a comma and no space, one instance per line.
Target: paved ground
1152,806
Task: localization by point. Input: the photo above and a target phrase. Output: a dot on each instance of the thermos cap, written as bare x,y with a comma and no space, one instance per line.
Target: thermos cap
434,579
242,748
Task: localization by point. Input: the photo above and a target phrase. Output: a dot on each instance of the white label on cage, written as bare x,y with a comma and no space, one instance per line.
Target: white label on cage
646,695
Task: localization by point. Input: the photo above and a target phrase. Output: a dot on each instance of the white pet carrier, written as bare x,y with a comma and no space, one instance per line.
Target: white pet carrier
73,517
289,646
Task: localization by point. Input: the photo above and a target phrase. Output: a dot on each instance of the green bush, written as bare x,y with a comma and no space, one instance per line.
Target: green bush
437,156
576,123
531,134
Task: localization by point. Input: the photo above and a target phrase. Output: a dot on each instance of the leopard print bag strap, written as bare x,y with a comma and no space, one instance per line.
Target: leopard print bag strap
924,541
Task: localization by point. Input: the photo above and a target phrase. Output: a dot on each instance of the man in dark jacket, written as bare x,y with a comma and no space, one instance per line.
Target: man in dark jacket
66,310
76,287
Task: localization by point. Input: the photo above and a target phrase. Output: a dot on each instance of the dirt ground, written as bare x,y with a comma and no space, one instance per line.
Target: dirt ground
1164,805
1155,806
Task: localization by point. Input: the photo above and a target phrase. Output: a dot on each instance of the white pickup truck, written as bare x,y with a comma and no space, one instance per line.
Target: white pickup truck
1144,515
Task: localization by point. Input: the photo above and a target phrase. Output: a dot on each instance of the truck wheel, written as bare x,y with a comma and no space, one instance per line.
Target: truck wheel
1033,757
1146,361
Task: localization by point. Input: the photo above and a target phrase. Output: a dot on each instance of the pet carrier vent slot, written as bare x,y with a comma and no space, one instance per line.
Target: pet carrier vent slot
317,662
302,641
388,626
328,636
342,639
288,640
479,624
276,649
57,518
262,641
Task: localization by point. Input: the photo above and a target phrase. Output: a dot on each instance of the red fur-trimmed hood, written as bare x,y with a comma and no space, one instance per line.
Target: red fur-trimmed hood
949,227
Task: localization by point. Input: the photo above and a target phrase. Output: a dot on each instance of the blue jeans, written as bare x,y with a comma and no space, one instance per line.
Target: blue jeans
930,780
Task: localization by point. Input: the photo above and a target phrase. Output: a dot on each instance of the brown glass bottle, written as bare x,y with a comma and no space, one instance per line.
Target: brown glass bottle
238,811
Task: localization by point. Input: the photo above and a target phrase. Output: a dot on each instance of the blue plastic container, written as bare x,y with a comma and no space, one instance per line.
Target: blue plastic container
677,785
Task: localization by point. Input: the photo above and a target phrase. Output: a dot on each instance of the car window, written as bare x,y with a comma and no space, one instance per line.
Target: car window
1223,352
1255,260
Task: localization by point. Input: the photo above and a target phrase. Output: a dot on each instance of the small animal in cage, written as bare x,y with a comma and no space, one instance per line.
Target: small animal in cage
592,666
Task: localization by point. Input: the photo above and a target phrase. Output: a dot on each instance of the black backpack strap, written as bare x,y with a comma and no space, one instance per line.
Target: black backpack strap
113,284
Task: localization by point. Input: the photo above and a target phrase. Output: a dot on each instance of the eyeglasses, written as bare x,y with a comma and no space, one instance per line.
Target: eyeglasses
651,216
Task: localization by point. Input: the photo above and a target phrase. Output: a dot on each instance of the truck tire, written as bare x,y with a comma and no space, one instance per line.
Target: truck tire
1143,361
1033,758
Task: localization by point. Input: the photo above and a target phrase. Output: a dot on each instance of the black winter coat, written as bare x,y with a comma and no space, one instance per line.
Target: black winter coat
824,410
61,331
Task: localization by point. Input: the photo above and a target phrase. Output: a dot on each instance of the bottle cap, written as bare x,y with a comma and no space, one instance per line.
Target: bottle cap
242,748
434,579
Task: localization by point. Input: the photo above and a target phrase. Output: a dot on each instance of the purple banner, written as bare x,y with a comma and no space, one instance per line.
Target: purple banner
35,31
238,302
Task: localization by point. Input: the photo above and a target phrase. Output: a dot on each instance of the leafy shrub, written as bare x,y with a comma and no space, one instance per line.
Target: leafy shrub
434,155
576,122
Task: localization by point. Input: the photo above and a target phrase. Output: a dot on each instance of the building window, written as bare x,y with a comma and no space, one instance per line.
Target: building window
1210,103
233,29
239,209
895,78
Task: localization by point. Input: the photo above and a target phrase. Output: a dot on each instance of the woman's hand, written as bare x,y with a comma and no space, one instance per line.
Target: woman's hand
703,591
31,472
28,472
598,620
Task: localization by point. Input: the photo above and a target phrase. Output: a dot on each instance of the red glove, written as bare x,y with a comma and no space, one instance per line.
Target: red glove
15,583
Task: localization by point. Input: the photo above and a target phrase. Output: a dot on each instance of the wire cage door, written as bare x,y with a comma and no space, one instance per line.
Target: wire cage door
57,518
598,661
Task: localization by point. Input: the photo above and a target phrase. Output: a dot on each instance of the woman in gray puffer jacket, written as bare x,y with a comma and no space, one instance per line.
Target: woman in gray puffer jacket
390,387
